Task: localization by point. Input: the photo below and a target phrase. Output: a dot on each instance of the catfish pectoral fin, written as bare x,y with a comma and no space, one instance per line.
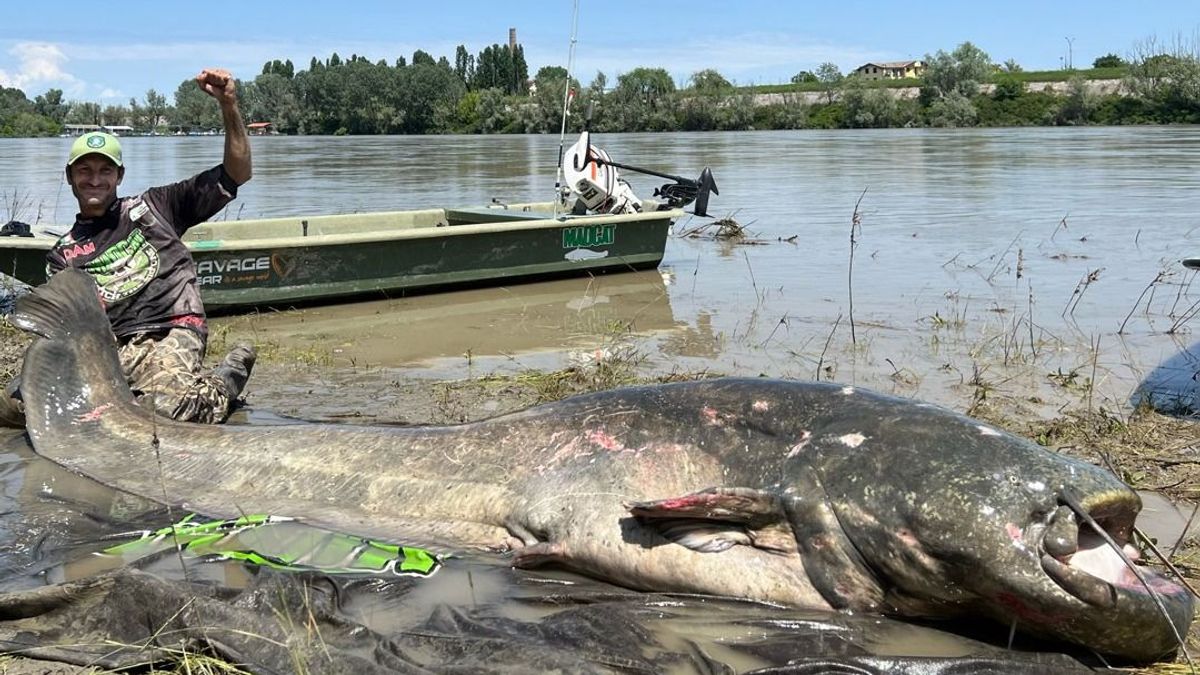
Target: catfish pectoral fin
705,536
716,519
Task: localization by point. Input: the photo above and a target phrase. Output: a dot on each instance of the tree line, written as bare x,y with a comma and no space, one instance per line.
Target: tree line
492,92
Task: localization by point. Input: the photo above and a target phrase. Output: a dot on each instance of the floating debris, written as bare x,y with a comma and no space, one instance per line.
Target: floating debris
726,229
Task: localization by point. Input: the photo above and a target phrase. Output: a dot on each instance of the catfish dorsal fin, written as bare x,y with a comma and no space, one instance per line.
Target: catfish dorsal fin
718,518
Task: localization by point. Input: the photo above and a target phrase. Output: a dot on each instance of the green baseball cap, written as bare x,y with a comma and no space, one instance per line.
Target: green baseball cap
95,143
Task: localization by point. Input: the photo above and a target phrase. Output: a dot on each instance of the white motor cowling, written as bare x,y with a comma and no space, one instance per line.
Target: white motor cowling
596,183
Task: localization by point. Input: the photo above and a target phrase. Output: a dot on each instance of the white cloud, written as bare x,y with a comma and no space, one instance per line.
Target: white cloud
39,64
110,93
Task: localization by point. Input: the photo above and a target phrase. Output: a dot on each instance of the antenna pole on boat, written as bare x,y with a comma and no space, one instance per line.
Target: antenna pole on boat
562,134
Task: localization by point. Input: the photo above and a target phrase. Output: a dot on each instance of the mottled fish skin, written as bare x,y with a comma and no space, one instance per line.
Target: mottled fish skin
799,493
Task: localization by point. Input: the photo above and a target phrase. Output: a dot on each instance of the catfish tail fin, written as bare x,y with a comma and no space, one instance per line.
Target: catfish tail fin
72,373
61,306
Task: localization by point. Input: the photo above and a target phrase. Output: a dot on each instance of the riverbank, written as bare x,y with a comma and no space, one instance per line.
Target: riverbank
1155,452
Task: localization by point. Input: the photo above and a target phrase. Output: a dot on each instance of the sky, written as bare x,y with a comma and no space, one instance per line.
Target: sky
111,52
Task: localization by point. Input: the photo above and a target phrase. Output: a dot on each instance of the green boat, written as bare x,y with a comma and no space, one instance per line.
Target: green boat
279,262
598,226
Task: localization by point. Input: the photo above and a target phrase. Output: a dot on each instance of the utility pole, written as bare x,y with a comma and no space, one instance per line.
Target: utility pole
1070,59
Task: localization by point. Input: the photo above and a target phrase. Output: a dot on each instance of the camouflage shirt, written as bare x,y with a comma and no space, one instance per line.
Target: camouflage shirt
146,275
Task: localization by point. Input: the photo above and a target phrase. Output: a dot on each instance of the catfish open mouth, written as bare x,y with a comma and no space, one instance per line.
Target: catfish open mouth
1086,564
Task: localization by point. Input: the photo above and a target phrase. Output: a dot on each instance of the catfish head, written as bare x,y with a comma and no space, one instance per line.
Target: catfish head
950,515
913,510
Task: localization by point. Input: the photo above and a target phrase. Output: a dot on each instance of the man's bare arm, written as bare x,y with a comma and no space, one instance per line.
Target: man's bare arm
220,84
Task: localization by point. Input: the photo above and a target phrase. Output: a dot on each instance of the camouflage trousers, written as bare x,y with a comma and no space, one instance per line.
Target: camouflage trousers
163,369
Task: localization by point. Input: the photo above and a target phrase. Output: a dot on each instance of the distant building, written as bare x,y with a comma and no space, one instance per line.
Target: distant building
260,128
81,129
891,70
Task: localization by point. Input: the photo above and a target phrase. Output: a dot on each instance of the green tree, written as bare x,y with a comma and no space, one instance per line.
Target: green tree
543,114
431,95
598,85
697,113
271,97
520,70
21,117
960,71
195,109
1168,80
1008,87
12,103
27,124
284,69
868,106
501,67
1108,61
156,107
83,112
138,118
1078,105
494,113
550,73
709,81
464,65
647,86
736,113
804,77
421,57
117,115
953,110
830,78
51,104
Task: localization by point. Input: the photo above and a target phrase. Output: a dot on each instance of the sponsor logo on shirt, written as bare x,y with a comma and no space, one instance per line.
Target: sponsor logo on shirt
72,252
125,268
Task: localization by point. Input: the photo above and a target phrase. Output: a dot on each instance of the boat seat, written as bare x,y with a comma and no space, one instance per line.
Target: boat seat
486,215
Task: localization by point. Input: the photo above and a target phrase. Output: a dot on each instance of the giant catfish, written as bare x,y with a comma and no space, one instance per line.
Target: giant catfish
806,494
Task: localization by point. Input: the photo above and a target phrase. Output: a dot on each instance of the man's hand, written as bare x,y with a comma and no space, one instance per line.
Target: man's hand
219,84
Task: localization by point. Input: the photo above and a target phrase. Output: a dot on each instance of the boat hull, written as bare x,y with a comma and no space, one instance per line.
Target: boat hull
280,262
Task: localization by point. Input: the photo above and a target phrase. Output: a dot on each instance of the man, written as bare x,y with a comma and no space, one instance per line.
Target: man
145,275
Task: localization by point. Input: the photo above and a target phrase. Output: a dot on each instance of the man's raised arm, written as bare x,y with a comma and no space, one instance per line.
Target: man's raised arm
219,84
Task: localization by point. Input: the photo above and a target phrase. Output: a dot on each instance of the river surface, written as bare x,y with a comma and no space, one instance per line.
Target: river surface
1043,263
974,251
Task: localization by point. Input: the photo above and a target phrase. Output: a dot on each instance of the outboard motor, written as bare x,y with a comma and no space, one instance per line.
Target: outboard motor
594,180
592,176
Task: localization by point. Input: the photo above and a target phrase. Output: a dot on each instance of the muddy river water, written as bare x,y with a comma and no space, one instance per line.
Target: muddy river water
1042,262
975,248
